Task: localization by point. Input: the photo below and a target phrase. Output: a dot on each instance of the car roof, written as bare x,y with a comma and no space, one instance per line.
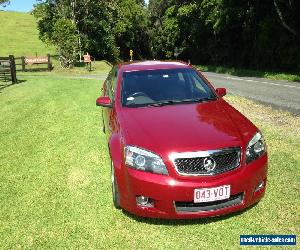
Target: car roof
151,65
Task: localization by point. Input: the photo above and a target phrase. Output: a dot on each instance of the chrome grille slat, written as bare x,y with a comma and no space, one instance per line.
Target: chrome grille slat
225,160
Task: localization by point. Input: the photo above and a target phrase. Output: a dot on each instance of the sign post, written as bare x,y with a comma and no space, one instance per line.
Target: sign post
49,62
131,55
87,60
36,60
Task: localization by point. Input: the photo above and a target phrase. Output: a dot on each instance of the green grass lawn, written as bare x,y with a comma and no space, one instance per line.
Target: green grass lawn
55,176
19,35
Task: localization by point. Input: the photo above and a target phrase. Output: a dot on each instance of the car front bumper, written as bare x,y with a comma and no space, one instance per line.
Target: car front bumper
173,197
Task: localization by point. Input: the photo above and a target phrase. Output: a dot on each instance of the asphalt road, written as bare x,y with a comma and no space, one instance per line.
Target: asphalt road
282,95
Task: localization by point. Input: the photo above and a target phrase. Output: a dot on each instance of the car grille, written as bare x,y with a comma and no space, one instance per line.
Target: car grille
184,207
223,160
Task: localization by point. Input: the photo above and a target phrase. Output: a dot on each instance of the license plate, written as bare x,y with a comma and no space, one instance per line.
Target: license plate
211,194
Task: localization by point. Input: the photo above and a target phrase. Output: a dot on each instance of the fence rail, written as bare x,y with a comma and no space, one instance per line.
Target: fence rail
10,65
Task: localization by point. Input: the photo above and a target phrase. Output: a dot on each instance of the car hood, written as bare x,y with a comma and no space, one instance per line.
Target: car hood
184,127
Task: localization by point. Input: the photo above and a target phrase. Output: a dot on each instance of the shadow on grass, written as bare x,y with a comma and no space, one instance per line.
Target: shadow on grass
9,84
80,64
37,70
183,222
3,86
83,65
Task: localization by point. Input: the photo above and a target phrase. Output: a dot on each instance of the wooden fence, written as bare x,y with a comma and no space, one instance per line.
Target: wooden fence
9,66
8,69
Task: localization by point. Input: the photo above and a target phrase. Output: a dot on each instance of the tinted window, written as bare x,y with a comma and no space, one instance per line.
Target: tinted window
106,84
112,82
141,88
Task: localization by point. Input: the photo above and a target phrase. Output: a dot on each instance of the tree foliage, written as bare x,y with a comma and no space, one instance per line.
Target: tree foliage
131,28
253,34
105,29
4,2
64,36
245,33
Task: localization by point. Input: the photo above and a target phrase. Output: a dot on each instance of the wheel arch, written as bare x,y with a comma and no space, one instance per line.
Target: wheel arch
115,147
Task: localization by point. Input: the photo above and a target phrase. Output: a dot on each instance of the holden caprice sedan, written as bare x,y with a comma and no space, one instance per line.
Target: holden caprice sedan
177,148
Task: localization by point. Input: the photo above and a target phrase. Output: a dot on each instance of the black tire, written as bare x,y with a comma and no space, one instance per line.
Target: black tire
103,126
114,188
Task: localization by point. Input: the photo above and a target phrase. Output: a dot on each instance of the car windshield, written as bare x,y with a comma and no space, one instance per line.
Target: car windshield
164,87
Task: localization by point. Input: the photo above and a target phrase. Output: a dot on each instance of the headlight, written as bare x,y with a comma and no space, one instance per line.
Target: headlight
144,160
256,148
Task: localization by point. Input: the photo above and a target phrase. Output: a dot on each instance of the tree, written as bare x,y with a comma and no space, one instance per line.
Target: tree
106,29
131,29
250,34
56,28
288,15
65,37
4,2
90,21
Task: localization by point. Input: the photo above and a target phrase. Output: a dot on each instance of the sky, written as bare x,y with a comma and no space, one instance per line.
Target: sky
24,5
20,5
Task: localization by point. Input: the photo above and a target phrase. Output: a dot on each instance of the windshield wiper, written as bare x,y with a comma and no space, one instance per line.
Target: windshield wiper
158,104
204,99
171,102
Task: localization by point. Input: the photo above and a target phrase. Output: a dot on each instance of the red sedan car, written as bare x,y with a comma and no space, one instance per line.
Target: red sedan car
177,149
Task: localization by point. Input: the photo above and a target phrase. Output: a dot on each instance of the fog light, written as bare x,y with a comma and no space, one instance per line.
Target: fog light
260,186
144,201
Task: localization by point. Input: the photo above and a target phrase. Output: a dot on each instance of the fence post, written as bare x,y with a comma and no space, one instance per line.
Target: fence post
49,62
23,63
13,68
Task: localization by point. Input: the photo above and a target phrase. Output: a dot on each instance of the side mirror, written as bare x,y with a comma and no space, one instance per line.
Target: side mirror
104,101
221,91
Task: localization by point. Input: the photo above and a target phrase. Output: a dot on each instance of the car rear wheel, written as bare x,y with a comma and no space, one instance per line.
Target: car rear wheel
114,188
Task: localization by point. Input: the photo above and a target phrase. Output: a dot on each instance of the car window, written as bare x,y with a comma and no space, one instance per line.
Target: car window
197,82
141,88
107,84
112,80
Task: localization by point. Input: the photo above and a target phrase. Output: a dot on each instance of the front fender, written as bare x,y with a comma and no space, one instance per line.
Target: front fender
116,146
116,150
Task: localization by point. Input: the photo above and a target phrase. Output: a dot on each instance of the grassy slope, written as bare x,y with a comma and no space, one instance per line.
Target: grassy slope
55,177
19,35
